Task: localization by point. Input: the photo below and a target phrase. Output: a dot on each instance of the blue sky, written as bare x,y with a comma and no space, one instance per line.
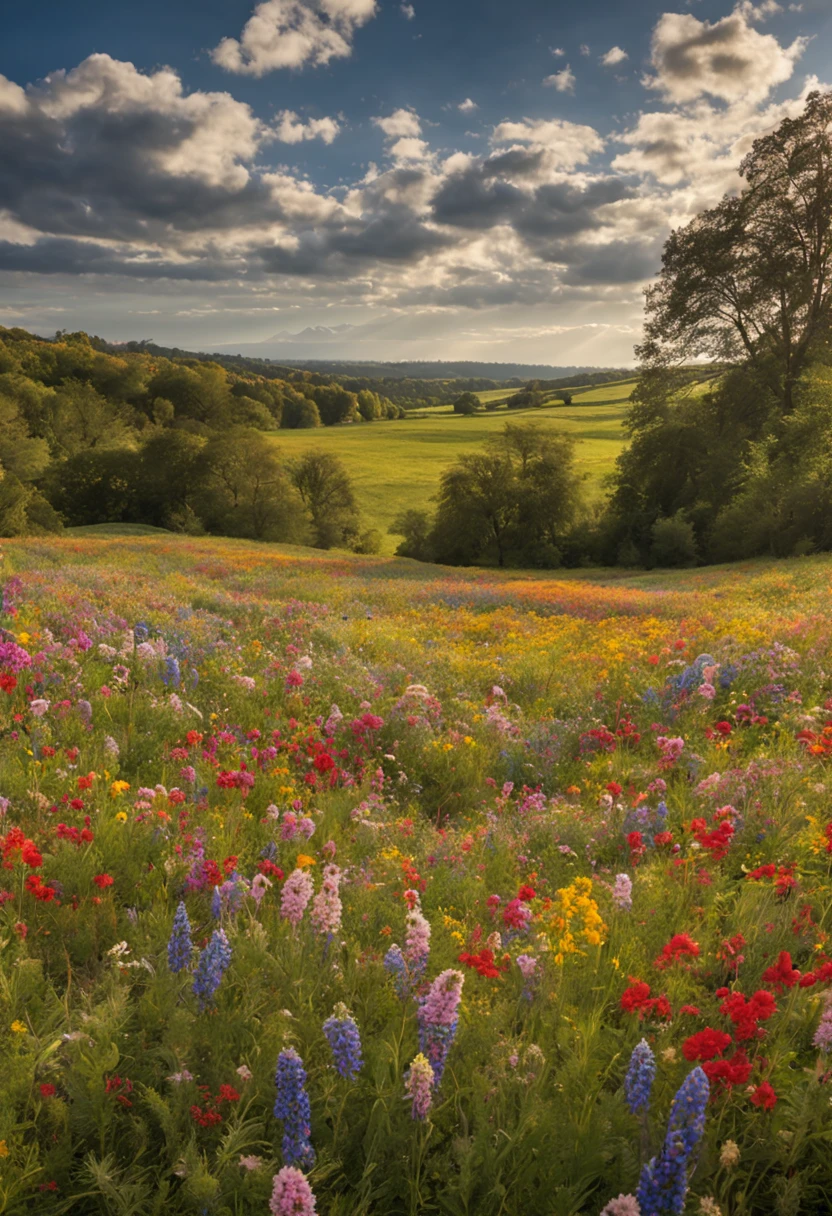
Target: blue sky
465,179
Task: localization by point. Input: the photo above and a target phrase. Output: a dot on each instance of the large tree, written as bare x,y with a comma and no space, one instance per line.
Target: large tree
751,279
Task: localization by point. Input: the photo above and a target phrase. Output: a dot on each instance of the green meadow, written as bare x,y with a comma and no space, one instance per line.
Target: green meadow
396,465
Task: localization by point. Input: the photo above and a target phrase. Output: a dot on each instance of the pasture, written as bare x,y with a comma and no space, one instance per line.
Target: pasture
397,465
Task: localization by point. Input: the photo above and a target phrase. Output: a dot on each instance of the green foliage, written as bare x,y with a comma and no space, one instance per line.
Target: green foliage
466,403
325,490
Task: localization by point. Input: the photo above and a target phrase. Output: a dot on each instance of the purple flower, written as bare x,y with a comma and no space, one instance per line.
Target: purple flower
180,945
663,1185
639,1079
292,1106
212,965
622,892
438,1018
344,1041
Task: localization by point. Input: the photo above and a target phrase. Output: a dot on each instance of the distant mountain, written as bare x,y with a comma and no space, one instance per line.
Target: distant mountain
312,333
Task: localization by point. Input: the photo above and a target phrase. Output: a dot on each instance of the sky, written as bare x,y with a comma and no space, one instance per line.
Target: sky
460,179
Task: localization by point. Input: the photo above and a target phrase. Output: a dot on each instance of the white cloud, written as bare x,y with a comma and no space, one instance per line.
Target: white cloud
467,106
614,56
558,51
407,11
563,81
584,49
701,143
568,143
292,33
400,123
291,129
728,59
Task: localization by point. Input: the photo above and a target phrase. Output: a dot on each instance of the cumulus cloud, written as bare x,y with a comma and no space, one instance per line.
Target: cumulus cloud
291,129
568,144
403,130
728,59
614,56
467,106
563,81
407,11
293,33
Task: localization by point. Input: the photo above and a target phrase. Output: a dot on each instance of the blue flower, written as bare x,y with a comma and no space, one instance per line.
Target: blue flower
180,945
639,1079
212,965
663,1185
344,1041
292,1106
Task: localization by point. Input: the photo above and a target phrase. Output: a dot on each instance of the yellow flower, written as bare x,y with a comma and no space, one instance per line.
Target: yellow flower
118,787
24,638
121,817
19,1028
4,1149
304,860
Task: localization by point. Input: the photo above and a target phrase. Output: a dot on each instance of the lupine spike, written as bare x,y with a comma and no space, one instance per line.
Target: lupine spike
639,1079
663,1184
344,1040
438,1017
292,1107
212,965
180,946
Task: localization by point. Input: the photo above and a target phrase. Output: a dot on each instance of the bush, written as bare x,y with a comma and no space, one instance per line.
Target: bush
673,542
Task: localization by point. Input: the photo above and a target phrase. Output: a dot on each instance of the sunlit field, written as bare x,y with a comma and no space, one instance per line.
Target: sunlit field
437,885
397,465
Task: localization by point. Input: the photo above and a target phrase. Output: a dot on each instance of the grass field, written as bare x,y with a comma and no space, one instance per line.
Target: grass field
396,465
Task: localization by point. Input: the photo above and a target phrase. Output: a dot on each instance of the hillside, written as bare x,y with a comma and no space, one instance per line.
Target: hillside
261,806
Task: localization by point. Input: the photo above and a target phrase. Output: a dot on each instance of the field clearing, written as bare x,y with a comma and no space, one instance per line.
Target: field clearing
191,730
397,465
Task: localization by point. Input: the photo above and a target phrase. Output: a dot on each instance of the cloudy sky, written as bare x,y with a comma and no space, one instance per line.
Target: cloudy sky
451,178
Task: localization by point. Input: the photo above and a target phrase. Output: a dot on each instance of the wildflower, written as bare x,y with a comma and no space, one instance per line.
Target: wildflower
418,1085
764,1097
622,894
18,1027
326,906
213,963
291,1194
396,966
417,942
639,1079
781,975
624,1205
729,1155
681,945
244,1072
664,1180
708,1206
297,892
823,1035
705,1044
438,1018
103,881
292,1107
250,1163
180,945
344,1040
47,1090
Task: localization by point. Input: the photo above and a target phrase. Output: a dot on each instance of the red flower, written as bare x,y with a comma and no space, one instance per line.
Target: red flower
680,945
692,1010
526,893
47,1090
103,880
745,1014
764,1096
706,1044
613,788
734,1071
483,963
781,974
637,999
8,683
662,838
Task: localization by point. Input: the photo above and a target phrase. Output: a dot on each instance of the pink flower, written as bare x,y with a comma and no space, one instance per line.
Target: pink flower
259,885
251,1163
326,906
297,892
292,1194
39,707
624,1205
418,1084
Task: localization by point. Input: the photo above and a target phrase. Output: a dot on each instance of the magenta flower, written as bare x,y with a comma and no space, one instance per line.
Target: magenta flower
418,1084
297,892
291,1194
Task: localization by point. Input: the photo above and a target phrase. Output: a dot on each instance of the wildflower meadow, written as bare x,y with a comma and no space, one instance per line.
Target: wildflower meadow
334,886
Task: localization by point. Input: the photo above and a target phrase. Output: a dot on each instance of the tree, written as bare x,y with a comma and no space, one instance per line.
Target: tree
751,278
466,404
369,405
83,419
299,412
478,506
327,494
415,526
244,491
